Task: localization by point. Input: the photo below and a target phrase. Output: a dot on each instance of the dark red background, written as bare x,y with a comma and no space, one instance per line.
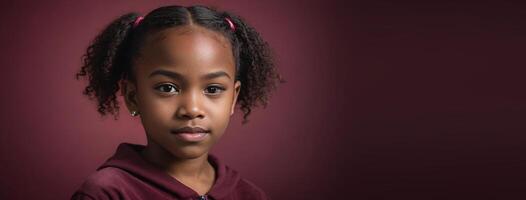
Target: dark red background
384,100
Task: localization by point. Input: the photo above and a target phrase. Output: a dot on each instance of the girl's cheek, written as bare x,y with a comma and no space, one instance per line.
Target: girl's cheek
164,106
154,104
222,102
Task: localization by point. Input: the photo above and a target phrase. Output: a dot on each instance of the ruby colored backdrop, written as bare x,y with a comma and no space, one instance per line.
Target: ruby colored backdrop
383,100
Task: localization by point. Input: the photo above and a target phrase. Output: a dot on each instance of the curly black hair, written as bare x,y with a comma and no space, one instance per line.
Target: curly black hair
109,58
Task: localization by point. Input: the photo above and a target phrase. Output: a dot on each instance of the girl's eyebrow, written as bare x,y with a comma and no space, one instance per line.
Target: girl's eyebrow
177,76
173,75
215,75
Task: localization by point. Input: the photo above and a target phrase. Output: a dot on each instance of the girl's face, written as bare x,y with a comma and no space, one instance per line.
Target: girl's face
185,78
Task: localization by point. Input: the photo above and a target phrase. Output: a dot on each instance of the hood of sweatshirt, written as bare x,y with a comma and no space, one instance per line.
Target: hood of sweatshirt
127,158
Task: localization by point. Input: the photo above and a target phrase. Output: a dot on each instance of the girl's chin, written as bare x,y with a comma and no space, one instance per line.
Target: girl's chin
188,152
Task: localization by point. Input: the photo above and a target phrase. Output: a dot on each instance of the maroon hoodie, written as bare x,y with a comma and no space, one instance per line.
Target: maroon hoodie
126,176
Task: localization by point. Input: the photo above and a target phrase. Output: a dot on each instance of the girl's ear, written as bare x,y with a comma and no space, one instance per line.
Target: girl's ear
237,88
129,91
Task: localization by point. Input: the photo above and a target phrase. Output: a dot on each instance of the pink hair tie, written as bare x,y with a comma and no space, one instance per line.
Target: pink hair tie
137,21
231,24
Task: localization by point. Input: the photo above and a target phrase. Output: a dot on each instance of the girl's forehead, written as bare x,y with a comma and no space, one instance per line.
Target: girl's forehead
191,46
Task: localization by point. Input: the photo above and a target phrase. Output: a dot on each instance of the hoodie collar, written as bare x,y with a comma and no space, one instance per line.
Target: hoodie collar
127,158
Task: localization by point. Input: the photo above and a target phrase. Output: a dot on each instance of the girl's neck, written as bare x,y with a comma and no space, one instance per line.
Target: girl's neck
181,169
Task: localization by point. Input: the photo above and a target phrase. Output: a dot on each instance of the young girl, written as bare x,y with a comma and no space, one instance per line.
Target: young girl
182,70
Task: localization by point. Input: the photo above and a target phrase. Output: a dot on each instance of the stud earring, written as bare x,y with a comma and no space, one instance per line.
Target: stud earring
134,113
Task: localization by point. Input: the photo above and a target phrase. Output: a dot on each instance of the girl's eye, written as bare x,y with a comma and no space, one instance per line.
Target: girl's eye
214,90
168,88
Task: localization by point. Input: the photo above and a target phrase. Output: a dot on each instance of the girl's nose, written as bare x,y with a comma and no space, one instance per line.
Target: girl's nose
190,106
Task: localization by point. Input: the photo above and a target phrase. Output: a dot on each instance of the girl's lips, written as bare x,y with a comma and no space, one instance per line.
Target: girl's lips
192,137
191,134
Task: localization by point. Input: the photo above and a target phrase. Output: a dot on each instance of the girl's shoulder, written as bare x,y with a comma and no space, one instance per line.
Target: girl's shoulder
249,190
105,183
